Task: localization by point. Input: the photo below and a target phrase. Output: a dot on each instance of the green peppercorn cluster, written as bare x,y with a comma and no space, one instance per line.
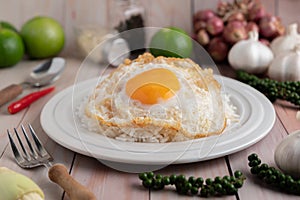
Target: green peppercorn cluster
272,89
273,176
219,186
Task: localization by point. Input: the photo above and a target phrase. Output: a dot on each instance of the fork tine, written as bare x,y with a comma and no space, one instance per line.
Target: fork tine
21,144
41,150
15,150
37,155
28,142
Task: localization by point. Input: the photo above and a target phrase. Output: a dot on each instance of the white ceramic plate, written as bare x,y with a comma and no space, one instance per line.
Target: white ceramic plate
60,122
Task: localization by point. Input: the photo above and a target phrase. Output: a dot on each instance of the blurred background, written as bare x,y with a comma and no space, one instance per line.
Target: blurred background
158,13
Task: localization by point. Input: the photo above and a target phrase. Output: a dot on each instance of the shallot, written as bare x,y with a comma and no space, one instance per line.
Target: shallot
234,32
204,15
199,25
265,42
233,21
256,12
218,49
202,37
215,25
252,26
271,27
236,16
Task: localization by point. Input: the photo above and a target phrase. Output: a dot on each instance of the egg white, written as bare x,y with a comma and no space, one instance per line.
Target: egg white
194,111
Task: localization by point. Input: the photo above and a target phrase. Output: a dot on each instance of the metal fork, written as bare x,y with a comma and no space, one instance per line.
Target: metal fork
36,155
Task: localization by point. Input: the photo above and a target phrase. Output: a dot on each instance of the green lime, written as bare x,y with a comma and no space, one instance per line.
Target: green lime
43,37
11,48
171,42
4,24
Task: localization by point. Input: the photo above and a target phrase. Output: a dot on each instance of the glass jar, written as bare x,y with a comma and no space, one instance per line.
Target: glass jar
99,45
128,19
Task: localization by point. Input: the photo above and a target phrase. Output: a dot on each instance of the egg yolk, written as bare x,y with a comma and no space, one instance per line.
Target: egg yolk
152,86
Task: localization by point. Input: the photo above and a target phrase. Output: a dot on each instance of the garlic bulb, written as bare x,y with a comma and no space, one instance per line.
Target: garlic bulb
286,42
287,154
250,55
286,66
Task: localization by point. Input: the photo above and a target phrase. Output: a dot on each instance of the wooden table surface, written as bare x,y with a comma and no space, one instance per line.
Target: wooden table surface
107,183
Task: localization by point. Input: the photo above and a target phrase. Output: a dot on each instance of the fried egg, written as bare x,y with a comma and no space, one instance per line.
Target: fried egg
157,100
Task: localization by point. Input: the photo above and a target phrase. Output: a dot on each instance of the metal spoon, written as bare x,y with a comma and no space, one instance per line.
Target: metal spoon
43,74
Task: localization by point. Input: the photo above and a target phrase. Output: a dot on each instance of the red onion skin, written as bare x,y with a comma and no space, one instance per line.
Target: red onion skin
257,12
215,26
222,5
194,36
237,16
199,25
252,26
270,27
234,32
204,15
203,37
218,49
265,42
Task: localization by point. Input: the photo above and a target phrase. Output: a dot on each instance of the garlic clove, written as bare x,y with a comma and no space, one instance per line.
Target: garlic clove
286,42
286,66
287,154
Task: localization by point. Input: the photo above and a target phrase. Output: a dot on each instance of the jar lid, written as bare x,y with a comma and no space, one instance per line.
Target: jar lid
118,52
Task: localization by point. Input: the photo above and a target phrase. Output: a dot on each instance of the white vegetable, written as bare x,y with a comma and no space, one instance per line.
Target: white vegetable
17,186
286,66
31,196
287,154
286,42
250,55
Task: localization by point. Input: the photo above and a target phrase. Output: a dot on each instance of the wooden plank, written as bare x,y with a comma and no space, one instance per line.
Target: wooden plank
212,4
100,179
265,149
288,11
8,121
77,13
40,174
10,12
32,115
51,8
161,13
270,6
105,182
285,123
88,171
202,5
287,115
71,12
